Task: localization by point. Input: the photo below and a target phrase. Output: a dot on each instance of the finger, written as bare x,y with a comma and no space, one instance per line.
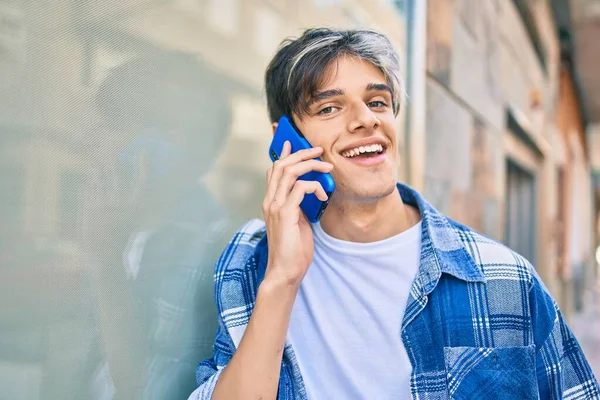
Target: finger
272,178
291,173
302,188
286,150
282,163
303,167
268,199
300,155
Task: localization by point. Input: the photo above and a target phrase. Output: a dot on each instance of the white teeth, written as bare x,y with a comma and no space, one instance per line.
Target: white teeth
363,149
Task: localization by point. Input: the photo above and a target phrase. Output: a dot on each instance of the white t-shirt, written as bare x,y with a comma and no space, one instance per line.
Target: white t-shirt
345,325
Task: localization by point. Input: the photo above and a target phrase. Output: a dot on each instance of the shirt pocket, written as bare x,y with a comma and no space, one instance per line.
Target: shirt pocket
491,373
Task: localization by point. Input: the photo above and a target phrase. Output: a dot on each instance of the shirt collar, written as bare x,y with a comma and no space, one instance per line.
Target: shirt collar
442,246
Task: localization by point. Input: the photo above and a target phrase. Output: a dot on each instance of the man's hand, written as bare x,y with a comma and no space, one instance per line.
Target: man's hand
289,233
253,371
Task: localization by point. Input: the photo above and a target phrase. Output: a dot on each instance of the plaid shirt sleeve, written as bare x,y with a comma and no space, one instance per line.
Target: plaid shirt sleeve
209,370
562,370
228,278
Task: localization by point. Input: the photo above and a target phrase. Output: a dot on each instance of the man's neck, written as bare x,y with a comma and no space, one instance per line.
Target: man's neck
371,222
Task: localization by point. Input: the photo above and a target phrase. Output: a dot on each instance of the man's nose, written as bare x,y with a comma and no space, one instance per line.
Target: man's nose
363,118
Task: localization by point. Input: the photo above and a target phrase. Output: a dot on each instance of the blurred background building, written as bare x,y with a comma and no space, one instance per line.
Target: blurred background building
133,138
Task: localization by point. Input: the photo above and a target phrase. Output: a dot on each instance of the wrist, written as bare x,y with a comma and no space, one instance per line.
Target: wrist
279,286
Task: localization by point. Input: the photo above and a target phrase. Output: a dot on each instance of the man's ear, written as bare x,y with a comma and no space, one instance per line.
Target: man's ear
274,126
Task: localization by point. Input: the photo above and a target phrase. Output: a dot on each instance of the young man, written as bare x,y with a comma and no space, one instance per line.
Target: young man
385,298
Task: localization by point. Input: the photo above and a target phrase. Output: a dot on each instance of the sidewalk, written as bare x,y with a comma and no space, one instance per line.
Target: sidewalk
586,326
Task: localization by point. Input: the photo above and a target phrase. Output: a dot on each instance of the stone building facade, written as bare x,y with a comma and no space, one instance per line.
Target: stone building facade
119,118
498,100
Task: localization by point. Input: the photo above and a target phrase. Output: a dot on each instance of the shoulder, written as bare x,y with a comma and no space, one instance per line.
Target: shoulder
241,247
235,278
495,260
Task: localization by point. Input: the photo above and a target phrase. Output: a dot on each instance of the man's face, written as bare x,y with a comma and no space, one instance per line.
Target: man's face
352,118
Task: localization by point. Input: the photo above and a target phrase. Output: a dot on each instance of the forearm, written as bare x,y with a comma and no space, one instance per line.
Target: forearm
253,372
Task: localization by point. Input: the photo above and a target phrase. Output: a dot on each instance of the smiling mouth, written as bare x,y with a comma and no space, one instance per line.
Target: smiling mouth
364,151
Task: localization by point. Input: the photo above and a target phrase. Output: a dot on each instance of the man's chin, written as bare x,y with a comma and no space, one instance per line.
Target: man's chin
371,192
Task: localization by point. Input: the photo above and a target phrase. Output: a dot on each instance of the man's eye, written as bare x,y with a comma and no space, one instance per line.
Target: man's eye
377,104
326,110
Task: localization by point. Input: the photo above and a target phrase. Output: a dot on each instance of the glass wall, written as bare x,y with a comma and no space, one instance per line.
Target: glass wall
133,138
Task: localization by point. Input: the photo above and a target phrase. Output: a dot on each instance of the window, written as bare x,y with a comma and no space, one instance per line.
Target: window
523,7
520,220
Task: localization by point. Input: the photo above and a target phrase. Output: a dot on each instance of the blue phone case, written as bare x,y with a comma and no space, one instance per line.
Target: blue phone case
313,207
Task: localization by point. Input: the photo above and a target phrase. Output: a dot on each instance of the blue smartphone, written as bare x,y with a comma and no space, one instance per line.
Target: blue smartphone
312,207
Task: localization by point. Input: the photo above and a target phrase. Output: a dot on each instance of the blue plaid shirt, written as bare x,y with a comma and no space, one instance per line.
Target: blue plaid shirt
478,324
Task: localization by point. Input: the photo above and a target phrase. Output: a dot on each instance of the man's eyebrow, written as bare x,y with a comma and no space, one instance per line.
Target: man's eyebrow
375,87
318,96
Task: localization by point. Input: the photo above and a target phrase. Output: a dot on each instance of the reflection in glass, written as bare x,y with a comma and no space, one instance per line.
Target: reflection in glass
133,139
175,115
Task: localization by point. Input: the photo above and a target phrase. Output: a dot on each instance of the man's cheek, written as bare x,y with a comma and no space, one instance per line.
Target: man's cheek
336,173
